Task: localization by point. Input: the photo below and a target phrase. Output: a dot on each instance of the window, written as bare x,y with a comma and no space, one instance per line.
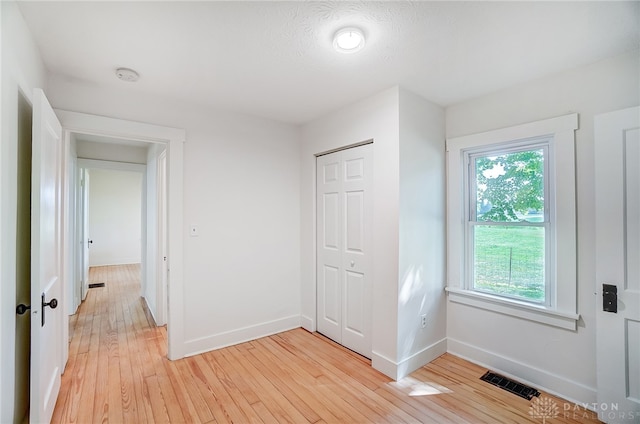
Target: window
509,221
511,215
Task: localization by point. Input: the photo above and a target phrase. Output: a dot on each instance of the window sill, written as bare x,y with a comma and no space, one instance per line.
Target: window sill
566,320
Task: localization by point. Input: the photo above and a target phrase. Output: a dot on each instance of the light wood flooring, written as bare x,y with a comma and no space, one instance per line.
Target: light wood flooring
118,372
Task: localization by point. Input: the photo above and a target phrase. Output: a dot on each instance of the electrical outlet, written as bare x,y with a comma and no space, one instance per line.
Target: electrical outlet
423,320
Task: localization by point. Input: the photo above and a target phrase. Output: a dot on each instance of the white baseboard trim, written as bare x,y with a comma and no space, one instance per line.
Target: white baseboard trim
307,323
385,365
241,335
421,358
399,370
556,385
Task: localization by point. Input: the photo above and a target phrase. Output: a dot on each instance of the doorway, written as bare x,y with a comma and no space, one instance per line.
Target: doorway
344,202
156,139
116,211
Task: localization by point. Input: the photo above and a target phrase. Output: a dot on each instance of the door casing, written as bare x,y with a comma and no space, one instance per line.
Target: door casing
173,140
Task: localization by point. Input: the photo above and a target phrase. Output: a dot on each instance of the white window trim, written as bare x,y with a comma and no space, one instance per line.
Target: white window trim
563,312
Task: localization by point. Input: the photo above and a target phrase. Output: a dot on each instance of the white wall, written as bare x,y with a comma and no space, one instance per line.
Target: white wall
408,163
421,233
115,217
242,190
558,360
22,69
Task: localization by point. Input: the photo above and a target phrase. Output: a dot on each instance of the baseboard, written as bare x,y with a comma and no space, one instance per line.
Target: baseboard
570,390
117,261
421,358
385,365
241,335
307,323
399,370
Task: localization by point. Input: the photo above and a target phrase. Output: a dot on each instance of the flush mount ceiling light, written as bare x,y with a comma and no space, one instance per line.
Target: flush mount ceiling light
126,74
348,40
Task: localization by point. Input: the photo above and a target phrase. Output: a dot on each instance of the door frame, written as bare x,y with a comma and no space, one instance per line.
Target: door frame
77,188
173,139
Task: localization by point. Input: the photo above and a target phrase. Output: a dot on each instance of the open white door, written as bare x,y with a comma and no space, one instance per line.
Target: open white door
85,241
161,262
46,260
617,140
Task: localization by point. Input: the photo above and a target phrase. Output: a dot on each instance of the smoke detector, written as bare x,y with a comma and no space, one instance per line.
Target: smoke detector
126,74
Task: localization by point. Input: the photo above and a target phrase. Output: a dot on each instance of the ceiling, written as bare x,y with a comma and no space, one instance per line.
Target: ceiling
276,59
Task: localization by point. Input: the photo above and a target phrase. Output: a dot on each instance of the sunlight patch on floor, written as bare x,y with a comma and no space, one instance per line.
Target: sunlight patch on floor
414,387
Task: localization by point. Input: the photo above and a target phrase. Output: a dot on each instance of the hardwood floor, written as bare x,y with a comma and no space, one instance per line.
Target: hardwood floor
118,372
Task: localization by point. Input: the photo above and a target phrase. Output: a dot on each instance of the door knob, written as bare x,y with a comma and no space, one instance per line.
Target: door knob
610,298
53,304
353,264
21,309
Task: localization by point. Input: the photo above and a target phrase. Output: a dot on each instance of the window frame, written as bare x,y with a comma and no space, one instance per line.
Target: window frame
559,308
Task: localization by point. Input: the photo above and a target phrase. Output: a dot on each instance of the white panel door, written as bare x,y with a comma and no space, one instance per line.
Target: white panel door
161,260
329,260
46,259
85,239
344,225
617,139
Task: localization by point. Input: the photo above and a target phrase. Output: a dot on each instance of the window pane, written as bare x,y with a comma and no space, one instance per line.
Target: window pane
509,261
510,187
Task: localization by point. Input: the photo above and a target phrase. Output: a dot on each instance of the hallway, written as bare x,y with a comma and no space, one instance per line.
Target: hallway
118,372
110,372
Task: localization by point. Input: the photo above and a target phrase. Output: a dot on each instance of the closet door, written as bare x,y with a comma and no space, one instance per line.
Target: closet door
344,224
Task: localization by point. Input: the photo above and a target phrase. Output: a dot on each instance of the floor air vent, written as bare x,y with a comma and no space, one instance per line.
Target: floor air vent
96,285
510,385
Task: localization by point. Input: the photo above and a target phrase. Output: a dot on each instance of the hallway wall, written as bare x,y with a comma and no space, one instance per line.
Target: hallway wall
115,217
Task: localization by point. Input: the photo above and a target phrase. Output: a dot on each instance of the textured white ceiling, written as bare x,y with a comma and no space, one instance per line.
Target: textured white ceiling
275,59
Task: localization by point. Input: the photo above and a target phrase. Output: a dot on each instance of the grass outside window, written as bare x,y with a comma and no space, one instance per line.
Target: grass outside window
509,261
